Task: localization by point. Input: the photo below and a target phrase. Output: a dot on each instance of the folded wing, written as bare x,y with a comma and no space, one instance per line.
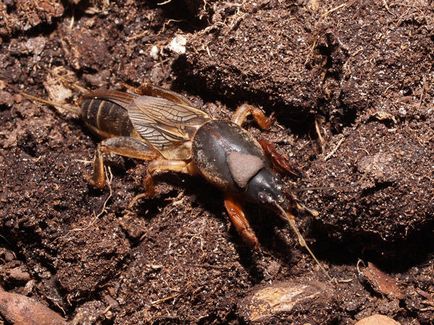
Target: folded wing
163,123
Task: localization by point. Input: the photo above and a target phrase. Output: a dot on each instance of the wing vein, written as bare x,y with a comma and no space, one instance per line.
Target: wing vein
164,123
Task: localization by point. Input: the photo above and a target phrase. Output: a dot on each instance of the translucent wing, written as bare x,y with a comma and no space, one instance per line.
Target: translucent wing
164,123
118,97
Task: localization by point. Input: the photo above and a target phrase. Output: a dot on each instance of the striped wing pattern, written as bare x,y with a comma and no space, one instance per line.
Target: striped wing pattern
164,123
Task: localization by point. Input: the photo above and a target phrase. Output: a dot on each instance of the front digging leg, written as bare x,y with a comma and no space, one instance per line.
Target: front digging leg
280,163
245,110
240,222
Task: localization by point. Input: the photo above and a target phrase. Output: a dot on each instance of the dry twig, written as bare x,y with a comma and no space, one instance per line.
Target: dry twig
334,150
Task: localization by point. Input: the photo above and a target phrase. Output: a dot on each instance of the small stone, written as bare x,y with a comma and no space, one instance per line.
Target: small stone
6,98
273,268
28,288
377,320
379,167
19,275
86,50
35,45
9,256
19,309
155,52
91,312
99,80
177,44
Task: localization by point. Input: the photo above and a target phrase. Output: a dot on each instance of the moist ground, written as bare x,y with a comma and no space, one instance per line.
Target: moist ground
351,86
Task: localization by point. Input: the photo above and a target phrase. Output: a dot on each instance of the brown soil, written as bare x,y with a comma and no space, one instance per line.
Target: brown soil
351,85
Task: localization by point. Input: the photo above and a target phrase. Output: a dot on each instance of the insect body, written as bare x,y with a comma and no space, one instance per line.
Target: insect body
164,128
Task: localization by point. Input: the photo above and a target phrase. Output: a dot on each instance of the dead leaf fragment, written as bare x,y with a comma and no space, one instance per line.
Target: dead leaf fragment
383,116
54,86
382,282
313,5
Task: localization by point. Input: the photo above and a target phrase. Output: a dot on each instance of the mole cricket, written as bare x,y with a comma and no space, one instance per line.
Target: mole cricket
161,126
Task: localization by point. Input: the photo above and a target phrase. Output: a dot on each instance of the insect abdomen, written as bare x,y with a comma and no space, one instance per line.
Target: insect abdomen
105,118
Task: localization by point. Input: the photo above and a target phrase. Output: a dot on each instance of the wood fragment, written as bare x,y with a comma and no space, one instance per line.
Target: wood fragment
159,301
334,150
328,12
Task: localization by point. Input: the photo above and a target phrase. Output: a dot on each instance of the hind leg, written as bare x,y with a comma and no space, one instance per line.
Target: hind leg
161,165
122,146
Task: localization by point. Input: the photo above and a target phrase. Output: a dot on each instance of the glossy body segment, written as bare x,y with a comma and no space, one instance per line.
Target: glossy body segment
212,144
106,115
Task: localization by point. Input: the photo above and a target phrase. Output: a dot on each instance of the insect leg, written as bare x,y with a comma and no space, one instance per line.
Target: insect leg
280,163
160,165
245,110
148,89
97,179
122,146
239,220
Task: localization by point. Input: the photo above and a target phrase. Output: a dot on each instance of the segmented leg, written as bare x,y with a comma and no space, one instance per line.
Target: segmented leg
97,179
122,146
239,220
161,165
245,110
148,89
280,163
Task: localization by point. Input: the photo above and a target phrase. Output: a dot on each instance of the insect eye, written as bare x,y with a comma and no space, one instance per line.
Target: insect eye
265,198
262,197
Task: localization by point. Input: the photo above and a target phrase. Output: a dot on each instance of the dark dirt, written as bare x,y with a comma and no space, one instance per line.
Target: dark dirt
351,85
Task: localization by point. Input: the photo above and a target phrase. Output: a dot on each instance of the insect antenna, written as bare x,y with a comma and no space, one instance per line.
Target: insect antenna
68,108
291,220
72,85
321,188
